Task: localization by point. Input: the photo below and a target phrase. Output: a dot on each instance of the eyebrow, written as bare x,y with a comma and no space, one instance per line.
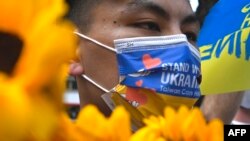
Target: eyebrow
191,19
153,7
158,10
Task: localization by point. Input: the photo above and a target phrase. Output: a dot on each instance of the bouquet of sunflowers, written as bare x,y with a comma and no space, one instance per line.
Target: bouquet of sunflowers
32,41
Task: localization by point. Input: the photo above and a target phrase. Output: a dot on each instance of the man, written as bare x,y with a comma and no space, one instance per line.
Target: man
243,114
107,20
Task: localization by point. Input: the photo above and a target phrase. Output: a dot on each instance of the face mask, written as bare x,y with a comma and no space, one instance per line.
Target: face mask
154,72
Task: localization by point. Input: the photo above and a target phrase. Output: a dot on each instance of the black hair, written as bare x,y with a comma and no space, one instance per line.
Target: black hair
80,13
204,8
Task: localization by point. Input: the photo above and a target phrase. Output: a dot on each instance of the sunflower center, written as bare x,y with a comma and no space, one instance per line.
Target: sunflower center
10,50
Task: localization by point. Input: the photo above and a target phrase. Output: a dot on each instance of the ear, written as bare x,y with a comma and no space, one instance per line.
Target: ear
75,67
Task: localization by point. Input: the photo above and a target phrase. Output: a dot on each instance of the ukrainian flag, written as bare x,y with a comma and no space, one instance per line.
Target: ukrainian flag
224,43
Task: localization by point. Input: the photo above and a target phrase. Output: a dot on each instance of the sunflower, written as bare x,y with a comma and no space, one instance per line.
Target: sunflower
91,125
47,40
183,125
42,43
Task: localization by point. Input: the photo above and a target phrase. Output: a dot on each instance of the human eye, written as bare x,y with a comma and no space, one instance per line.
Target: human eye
147,25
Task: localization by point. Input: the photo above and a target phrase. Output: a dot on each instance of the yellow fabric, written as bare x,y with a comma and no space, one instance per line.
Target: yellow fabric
230,71
227,73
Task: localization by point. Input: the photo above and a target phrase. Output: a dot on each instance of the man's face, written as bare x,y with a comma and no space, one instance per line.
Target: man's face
115,19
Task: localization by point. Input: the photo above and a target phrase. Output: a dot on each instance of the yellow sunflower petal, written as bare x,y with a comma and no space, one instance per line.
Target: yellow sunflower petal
14,107
120,125
90,117
15,16
215,130
145,134
170,130
194,123
66,130
116,128
37,55
43,120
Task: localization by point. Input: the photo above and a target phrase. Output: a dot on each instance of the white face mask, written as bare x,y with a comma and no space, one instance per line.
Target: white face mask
154,72
177,64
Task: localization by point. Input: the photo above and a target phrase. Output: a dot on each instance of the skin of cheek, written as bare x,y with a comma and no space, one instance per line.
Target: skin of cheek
99,63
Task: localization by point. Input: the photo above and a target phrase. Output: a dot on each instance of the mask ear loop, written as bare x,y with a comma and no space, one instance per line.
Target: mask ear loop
100,44
95,41
94,83
107,96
